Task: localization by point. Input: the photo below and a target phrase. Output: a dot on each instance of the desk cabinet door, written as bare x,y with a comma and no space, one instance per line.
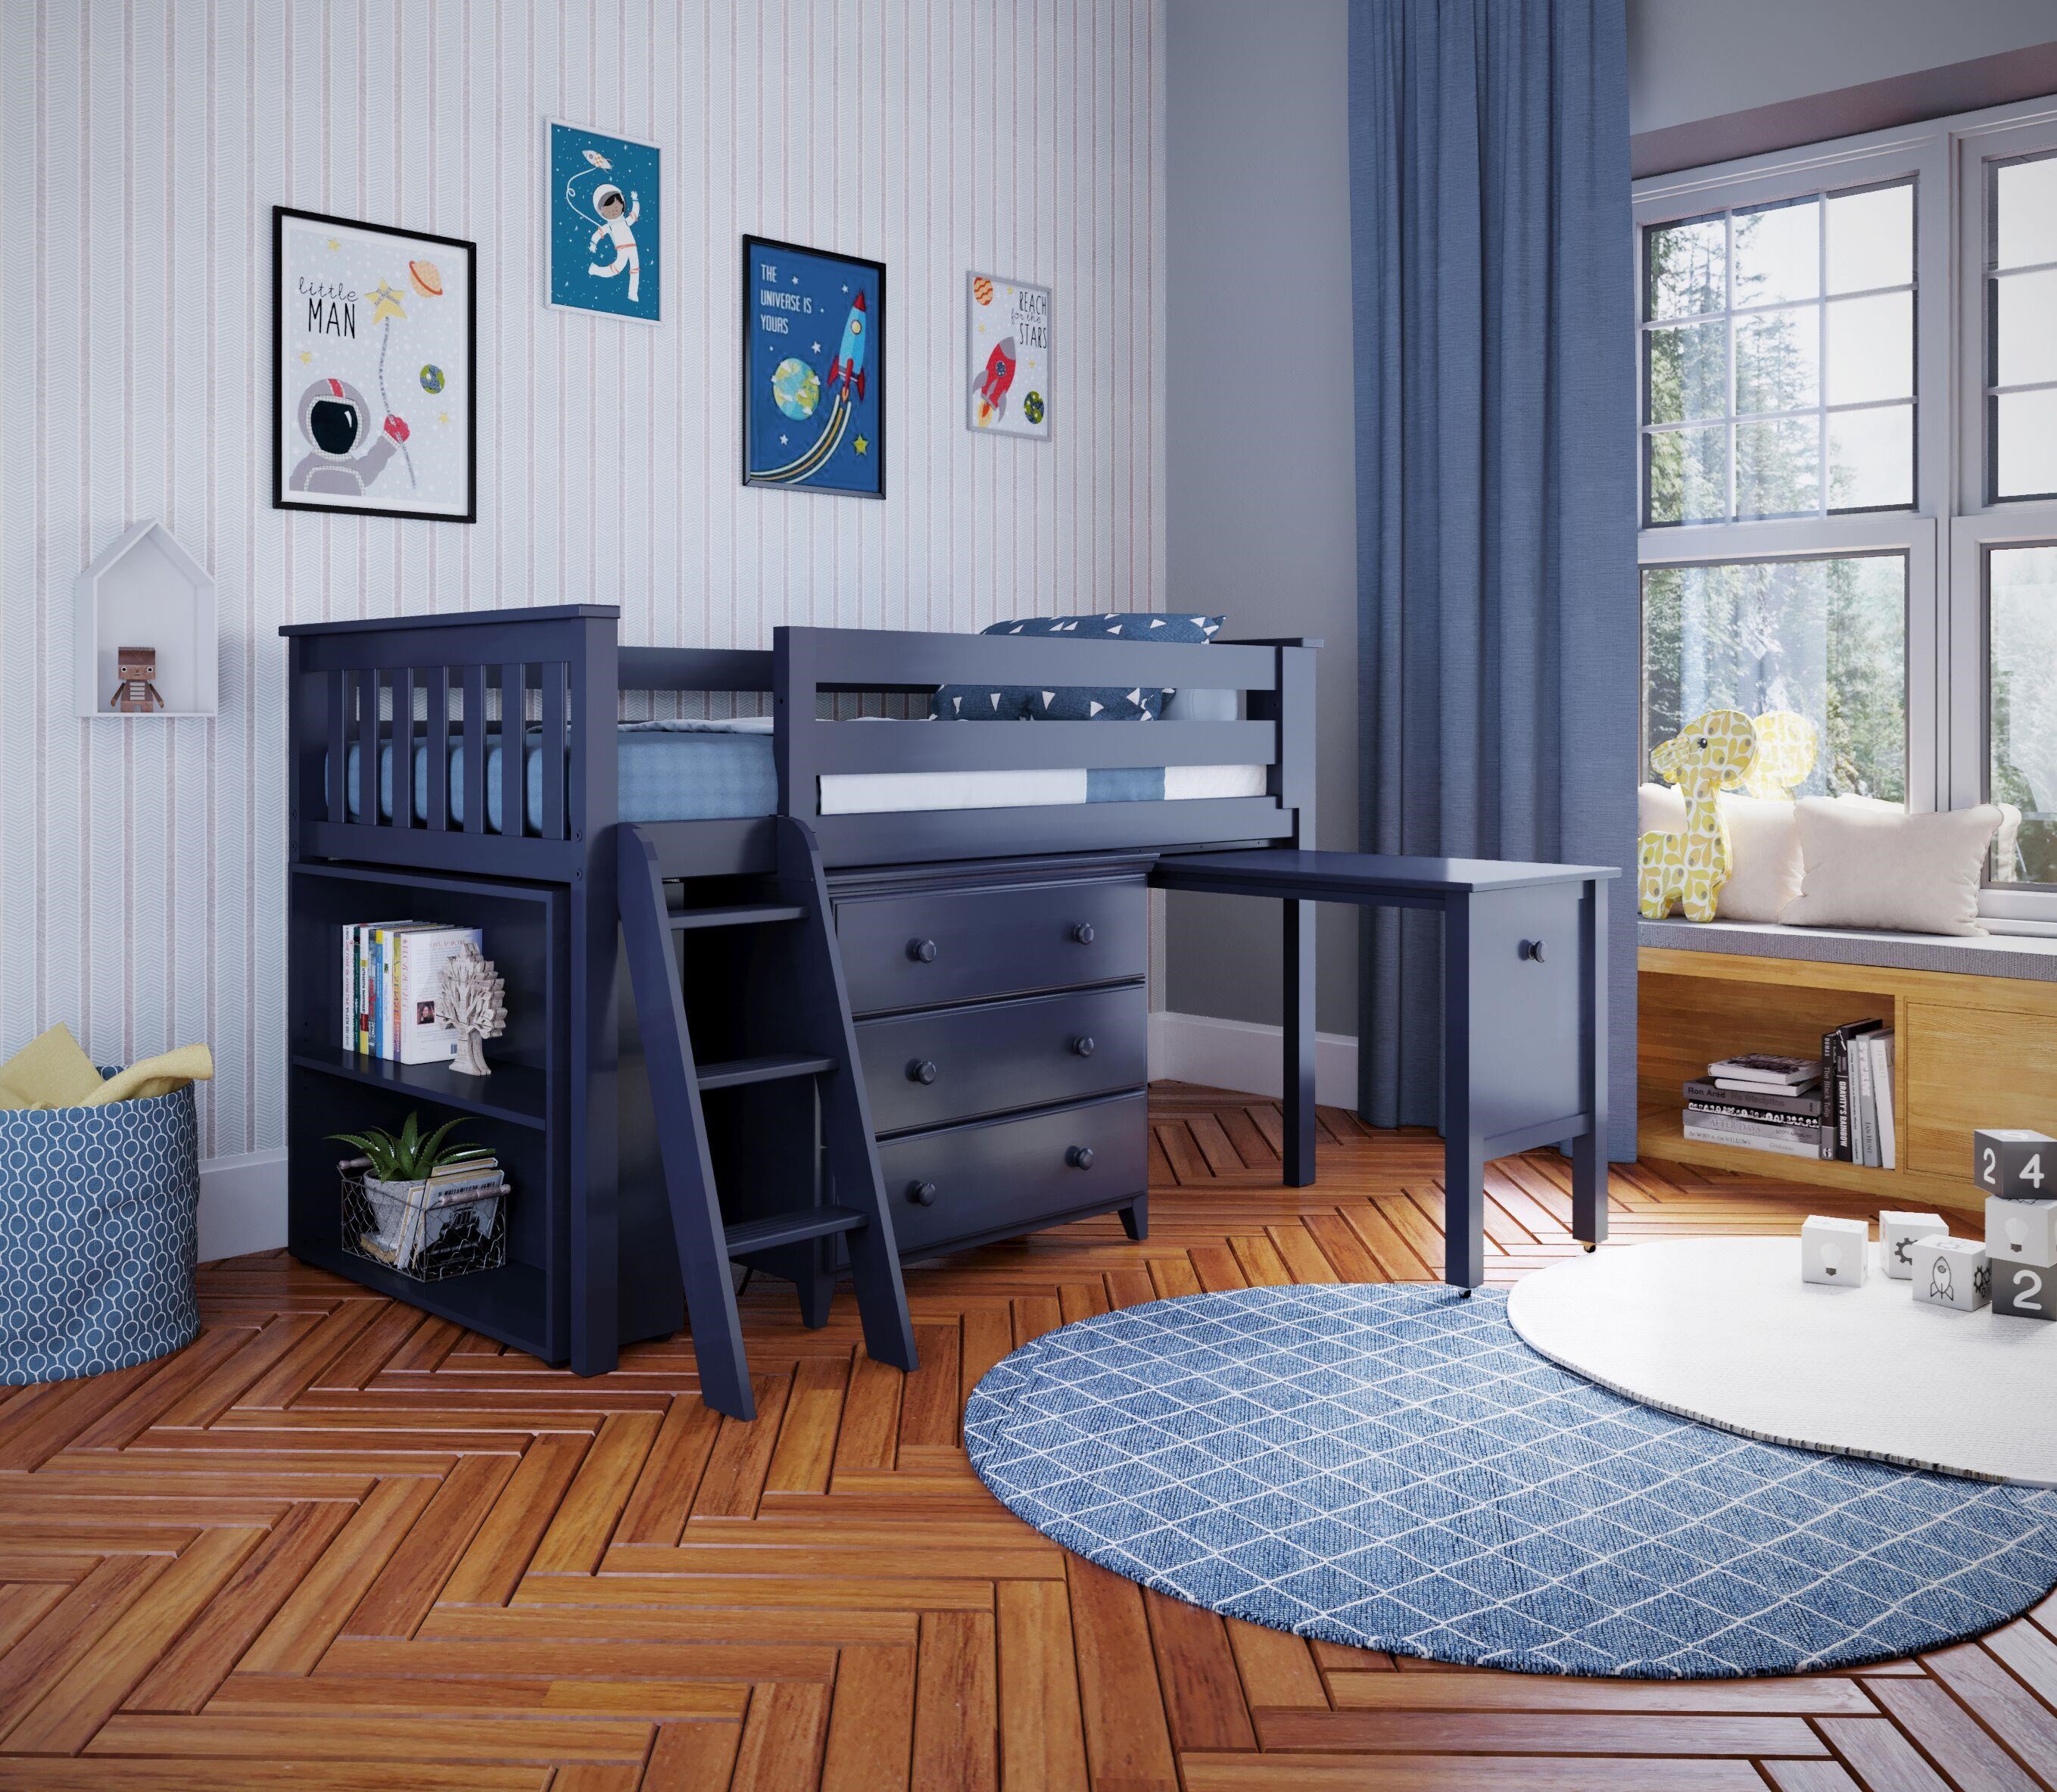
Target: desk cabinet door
1526,1011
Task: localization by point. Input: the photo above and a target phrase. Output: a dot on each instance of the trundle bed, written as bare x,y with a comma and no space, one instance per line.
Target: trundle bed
985,886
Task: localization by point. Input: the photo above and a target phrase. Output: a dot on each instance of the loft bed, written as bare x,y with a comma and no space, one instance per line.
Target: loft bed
400,791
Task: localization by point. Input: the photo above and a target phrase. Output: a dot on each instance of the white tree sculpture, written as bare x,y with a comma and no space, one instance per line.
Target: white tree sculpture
472,1002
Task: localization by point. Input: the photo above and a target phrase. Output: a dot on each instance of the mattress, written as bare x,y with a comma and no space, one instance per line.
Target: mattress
718,771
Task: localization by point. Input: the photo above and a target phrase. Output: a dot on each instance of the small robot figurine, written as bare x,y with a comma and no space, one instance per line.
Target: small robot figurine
136,694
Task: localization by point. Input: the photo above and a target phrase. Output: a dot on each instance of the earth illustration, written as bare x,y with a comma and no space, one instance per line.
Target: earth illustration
795,387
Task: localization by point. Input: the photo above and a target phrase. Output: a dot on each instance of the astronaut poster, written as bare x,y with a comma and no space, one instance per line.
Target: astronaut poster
372,344
813,370
1007,333
601,223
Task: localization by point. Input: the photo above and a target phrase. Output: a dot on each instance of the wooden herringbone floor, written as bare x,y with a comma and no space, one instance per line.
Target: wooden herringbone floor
336,1543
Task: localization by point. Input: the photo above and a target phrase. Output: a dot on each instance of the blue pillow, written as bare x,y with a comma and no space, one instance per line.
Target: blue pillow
979,702
1138,625
1091,703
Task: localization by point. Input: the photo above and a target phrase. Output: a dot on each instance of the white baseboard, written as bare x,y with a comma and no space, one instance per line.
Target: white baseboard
1246,1055
242,1204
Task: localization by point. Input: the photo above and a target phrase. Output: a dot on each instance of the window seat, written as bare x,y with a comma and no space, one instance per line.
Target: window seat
2015,955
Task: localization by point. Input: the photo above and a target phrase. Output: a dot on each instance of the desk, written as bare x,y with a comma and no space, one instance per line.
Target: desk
1524,1010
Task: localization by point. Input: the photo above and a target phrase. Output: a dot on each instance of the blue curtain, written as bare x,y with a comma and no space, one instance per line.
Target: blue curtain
1499,621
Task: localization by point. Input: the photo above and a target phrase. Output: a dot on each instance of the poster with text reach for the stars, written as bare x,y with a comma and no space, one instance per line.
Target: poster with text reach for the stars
814,399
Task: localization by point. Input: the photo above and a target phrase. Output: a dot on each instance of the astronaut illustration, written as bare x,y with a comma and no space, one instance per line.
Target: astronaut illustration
336,422
615,217
1939,1279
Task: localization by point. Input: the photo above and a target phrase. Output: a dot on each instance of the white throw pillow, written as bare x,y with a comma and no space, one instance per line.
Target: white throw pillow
1871,864
1764,848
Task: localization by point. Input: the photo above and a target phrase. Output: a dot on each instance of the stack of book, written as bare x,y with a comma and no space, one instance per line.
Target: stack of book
410,1217
1759,1101
1857,1083
391,970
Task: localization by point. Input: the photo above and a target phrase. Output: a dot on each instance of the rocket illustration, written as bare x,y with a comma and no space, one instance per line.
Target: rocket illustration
848,365
992,385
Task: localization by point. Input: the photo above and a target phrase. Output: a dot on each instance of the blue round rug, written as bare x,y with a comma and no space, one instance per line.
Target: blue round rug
1392,1467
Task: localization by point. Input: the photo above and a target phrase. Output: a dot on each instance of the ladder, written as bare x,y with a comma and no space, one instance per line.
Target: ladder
798,941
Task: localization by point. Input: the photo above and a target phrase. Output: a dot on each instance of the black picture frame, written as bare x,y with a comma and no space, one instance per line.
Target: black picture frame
869,439
282,497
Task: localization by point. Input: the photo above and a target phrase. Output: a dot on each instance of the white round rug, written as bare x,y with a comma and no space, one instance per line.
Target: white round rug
1724,1330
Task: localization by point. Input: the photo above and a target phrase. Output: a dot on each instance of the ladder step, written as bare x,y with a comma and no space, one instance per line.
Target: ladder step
734,1072
791,1228
754,915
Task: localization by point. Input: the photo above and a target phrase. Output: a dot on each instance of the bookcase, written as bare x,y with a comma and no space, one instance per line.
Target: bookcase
1973,1051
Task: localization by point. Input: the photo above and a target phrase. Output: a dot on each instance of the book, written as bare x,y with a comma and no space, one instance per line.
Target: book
1768,1116
421,953
1880,1046
1828,1143
356,983
1804,1104
1766,1067
1785,1140
1846,1112
1742,1085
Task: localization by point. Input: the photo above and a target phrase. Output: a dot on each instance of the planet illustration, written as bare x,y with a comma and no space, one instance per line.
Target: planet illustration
426,278
796,388
432,378
981,290
1032,407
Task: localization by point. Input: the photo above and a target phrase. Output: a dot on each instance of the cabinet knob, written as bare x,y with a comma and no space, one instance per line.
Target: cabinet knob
1080,1157
1082,1045
1532,948
1082,932
922,952
922,1194
921,1070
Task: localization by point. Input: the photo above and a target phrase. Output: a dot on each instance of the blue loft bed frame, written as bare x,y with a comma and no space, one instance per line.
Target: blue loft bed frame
582,1273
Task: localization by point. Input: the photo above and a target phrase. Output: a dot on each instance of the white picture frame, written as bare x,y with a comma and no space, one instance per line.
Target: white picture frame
1008,346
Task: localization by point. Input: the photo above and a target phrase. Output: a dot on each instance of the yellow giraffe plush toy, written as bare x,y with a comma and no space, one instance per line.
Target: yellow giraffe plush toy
1786,744
1715,753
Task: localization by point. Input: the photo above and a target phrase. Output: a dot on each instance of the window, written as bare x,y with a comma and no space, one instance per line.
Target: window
1848,430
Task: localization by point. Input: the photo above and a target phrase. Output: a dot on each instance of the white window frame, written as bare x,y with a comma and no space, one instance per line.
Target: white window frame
1946,536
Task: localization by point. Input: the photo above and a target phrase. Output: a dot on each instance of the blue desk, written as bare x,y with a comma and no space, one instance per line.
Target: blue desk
1524,1010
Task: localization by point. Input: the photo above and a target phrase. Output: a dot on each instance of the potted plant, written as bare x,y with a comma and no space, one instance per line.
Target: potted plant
397,1195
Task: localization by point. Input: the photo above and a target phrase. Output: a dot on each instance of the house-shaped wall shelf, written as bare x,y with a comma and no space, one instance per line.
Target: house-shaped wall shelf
145,591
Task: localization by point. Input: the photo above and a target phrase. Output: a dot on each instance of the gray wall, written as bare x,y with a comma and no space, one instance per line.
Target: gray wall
1694,59
1260,517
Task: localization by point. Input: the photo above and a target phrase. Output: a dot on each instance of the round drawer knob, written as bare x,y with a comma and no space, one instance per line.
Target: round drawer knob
1080,1157
922,1194
922,952
1532,948
1082,932
921,1070
1083,1046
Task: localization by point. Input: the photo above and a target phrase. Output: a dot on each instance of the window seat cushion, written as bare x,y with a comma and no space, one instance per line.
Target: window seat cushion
2018,955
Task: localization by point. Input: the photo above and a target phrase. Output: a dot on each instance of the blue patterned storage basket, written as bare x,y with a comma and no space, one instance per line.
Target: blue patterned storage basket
98,1235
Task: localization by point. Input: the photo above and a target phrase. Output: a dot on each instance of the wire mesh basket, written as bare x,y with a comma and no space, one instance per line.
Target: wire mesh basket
420,1230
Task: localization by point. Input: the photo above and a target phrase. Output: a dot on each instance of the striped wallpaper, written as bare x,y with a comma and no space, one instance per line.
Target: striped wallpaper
141,862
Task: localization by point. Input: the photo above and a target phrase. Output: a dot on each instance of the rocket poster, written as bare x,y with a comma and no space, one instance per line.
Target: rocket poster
604,211
813,370
1007,328
373,352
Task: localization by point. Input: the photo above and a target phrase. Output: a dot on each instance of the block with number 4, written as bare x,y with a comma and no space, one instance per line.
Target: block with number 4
2013,1161
2024,1290
2021,1231
1951,1272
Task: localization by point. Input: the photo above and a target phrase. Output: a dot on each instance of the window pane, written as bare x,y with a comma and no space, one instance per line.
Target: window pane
2025,328
1689,372
1687,474
2022,629
2025,444
1778,467
1779,254
1871,458
1871,348
1871,239
1687,268
1825,637
2025,213
1777,360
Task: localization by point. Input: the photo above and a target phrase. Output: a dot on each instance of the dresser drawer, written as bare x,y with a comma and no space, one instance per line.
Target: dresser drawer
999,1176
950,1064
915,951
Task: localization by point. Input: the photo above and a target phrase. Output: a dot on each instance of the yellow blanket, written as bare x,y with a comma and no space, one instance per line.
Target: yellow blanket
52,1071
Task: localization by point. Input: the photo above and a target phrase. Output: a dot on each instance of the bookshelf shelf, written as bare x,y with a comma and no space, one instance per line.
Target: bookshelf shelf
513,1092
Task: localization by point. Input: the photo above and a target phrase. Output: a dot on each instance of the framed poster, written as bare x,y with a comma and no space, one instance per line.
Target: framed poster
1007,337
813,370
603,213
374,341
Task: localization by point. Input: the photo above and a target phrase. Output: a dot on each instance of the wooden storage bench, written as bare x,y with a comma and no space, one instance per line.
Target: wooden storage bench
1976,1020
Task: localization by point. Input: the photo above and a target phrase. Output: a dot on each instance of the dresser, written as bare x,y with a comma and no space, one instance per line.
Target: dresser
1002,1019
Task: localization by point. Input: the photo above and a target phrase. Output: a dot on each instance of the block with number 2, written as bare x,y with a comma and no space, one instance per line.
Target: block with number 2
2023,1291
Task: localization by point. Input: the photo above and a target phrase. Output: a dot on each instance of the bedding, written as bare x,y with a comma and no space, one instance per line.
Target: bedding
696,771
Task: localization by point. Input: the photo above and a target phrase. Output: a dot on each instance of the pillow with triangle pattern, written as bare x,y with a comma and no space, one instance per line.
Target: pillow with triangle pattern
1014,703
